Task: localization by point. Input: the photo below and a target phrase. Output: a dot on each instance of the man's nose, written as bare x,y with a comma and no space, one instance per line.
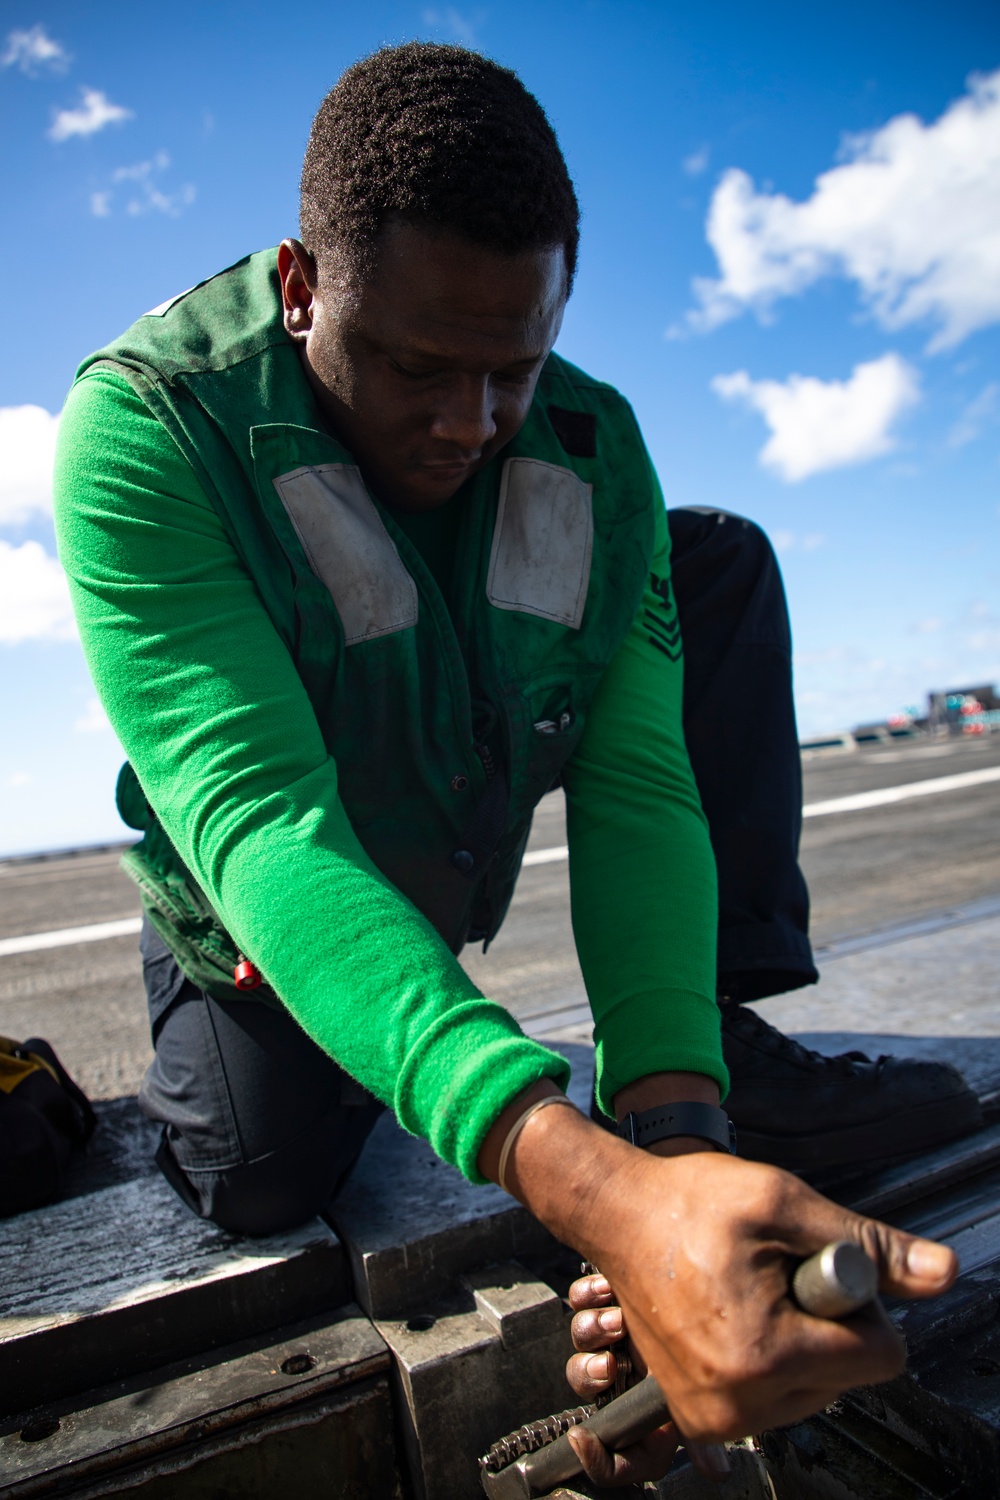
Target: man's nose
464,415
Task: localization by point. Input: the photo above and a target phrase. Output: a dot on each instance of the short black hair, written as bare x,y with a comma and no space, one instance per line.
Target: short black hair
435,136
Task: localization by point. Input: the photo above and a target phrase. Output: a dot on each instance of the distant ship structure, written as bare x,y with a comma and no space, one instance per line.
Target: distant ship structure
955,711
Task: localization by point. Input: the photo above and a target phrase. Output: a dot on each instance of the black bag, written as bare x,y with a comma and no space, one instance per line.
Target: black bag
44,1118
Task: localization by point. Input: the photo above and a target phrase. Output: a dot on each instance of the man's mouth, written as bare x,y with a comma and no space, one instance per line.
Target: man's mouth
445,471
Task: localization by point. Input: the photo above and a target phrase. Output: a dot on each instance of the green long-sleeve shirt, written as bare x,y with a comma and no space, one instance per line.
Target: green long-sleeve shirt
214,718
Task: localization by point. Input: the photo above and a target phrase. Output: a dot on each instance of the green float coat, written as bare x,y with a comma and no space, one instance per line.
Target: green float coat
301,756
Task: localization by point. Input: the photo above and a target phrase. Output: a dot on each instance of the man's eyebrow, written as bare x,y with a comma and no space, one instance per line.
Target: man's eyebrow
417,353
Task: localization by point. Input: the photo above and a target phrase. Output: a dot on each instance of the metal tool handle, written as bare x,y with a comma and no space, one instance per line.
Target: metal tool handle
621,1422
837,1281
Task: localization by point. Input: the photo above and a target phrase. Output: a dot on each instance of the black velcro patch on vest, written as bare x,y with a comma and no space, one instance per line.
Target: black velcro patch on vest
576,430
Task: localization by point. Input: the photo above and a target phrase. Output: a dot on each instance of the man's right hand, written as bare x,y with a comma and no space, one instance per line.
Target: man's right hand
699,1249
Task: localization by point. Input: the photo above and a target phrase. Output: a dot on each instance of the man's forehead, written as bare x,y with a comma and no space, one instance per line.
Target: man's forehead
445,276
433,293
423,332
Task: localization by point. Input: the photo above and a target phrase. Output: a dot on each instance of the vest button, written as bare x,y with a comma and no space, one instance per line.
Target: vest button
464,861
459,783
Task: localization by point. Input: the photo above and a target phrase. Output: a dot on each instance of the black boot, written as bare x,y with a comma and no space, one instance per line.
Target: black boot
798,1109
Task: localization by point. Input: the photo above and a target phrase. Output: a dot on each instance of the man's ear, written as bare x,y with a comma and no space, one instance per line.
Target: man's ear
298,277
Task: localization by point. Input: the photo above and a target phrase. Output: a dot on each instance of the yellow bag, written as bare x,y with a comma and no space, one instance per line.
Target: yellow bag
44,1118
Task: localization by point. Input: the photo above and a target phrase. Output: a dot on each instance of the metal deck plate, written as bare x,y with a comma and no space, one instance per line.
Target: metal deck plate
411,1224
126,1278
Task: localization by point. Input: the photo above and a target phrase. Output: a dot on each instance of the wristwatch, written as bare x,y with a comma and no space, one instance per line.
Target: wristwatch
706,1121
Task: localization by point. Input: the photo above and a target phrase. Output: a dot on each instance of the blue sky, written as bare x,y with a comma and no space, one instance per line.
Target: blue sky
790,264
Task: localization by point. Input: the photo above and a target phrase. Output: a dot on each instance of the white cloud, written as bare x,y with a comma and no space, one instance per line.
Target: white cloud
819,424
788,541
975,416
93,720
94,111
34,50
462,28
697,162
20,778
912,216
144,193
34,596
27,450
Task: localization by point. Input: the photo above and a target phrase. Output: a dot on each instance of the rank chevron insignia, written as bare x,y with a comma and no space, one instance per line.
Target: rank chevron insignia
664,631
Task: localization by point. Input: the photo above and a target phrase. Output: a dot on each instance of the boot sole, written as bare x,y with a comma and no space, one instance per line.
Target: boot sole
863,1145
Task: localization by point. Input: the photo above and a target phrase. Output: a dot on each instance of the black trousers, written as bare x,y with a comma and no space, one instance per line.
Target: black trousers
739,724
261,1126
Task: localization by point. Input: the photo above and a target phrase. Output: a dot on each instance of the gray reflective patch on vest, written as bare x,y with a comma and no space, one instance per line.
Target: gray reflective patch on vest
544,535
349,549
164,307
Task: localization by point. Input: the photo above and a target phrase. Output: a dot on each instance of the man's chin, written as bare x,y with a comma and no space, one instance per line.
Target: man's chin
424,488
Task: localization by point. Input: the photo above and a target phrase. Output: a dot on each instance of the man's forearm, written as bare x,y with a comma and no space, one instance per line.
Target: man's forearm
561,1162
558,1163
644,1093
665,1088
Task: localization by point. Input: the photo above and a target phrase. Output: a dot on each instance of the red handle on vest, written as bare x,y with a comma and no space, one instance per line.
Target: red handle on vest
247,975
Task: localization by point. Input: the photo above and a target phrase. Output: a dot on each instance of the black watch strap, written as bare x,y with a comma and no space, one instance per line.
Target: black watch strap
707,1121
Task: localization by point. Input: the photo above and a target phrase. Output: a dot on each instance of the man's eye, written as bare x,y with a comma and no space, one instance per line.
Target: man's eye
410,374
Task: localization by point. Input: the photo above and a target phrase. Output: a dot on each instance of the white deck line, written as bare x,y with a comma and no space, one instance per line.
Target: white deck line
862,800
32,942
35,941
545,856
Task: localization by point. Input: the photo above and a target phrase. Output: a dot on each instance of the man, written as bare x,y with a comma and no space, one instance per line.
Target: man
362,569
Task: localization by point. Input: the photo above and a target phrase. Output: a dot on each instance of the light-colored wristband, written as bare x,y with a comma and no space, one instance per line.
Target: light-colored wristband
518,1126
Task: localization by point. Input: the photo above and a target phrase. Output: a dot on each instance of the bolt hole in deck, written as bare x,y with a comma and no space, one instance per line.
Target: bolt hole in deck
39,1429
297,1364
421,1322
